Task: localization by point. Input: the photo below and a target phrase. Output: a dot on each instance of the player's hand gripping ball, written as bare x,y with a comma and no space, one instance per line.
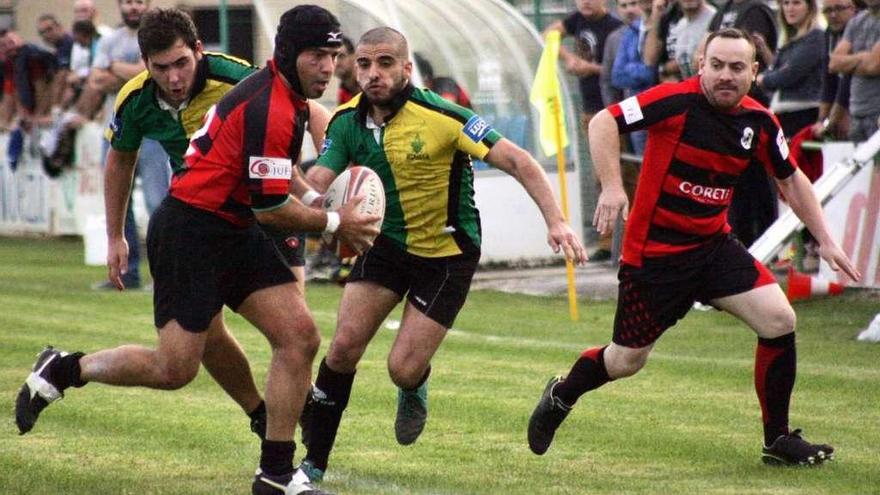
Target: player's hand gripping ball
355,181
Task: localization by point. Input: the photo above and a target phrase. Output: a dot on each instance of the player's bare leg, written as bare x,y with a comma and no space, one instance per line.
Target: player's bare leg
767,311
227,363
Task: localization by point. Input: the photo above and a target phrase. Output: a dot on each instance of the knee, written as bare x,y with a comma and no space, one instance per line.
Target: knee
405,374
177,376
780,322
621,362
345,350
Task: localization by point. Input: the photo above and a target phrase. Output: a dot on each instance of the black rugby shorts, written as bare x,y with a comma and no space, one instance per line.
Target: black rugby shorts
199,262
437,287
652,298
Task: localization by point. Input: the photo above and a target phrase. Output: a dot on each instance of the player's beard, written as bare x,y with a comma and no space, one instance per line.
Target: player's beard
396,89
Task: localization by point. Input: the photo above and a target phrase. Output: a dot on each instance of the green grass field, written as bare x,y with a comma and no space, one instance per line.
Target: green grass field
688,424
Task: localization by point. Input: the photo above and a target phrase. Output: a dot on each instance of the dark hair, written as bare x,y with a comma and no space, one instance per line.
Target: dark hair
48,17
161,28
85,28
731,34
348,44
425,67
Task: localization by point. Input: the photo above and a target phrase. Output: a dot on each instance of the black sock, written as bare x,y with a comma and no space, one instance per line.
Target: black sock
66,371
329,400
588,373
259,411
775,371
276,458
422,380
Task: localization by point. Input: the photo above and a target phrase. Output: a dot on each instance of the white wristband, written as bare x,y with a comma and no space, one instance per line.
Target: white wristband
332,222
309,196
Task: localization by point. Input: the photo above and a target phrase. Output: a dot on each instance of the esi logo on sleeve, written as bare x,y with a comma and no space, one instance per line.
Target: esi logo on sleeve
476,128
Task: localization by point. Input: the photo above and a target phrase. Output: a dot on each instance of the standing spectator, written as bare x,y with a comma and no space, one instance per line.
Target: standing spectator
685,36
83,52
85,10
629,72
610,94
348,86
795,77
54,35
678,249
660,39
858,54
590,24
833,117
85,44
444,86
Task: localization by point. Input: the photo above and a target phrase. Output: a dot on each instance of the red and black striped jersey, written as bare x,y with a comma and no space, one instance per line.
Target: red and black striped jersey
241,160
692,161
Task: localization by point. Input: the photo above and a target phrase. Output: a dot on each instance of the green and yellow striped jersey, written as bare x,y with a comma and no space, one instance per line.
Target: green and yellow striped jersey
138,113
423,155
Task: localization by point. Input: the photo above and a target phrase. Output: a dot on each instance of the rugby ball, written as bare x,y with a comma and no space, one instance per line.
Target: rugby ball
355,181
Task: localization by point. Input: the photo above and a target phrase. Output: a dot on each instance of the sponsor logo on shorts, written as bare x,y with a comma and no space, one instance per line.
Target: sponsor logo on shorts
420,300
265,167
292,242
476,128
632,111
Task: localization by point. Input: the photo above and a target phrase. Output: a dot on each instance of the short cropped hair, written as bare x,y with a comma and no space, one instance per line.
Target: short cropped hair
161,28
732,34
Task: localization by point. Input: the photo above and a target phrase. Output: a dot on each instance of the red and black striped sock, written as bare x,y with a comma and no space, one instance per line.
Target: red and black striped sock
588,373
775,371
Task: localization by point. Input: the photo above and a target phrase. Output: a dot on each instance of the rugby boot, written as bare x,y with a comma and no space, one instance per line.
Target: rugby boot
38,390
308,473
792,450
285,484
548,415
412,413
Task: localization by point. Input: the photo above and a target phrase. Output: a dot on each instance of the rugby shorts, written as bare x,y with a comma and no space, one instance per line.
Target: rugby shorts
653,297
437,287
199,262
291,246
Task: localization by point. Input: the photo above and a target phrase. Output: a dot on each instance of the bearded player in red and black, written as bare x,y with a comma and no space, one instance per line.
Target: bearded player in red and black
206,249
678,249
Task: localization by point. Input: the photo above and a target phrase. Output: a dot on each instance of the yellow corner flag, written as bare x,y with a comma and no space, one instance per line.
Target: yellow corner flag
547,97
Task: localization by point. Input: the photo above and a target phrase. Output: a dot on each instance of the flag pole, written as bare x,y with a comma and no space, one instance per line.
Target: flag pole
563,196
547,97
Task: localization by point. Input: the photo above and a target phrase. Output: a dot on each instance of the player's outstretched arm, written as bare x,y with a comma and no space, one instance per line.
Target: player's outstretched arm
799,193
517,162
118,175
605,150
